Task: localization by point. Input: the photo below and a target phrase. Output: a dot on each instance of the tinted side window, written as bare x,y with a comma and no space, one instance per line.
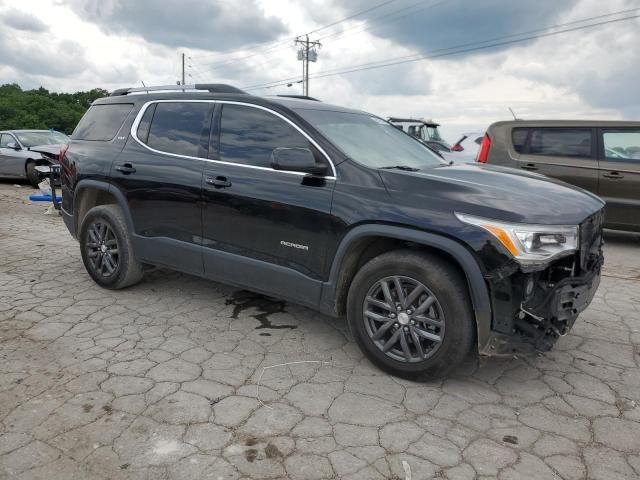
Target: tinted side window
621,144
519,138
249,135
5,140
564,142
181,128
102,122
145,122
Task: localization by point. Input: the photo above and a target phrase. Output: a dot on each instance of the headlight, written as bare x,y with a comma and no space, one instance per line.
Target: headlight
529,243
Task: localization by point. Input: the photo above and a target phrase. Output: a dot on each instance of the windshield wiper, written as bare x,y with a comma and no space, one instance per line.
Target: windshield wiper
400,167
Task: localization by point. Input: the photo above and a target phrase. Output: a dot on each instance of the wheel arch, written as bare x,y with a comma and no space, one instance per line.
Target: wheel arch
366,241
91,193
37,160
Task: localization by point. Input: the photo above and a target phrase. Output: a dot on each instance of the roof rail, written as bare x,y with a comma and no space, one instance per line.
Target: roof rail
301,97
209,87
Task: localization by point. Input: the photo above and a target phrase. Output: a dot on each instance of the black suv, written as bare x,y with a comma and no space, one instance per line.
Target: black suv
334,209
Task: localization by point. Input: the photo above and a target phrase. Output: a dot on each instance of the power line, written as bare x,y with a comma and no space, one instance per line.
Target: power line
418,56
497,44
346,32
372,22
289,40
357,14
457,49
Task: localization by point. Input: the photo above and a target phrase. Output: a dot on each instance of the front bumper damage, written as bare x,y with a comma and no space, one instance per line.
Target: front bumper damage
533,308
52,173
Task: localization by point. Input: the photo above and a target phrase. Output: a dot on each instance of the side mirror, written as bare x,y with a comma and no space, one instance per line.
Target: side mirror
13,145
296,160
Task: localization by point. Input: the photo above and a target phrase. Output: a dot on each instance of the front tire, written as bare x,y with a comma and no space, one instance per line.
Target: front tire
410,313
105,245
32,174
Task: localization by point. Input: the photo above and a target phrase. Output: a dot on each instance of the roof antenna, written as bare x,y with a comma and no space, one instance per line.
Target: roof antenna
142,82
514,115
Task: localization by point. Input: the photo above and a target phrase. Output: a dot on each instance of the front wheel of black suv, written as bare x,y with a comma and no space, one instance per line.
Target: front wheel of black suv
106,250
410,313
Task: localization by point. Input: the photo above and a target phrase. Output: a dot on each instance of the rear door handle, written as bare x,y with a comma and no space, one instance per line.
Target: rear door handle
218,182
125,168
529,166
614,175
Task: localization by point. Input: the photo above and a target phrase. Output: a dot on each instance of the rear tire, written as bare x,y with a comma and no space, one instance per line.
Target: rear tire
32,174
410,313
105,245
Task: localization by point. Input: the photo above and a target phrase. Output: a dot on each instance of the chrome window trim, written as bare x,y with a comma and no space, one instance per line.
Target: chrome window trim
136,122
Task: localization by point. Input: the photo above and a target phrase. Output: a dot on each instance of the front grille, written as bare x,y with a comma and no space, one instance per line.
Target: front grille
591,240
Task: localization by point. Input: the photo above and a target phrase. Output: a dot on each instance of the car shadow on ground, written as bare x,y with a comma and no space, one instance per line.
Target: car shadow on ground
15,181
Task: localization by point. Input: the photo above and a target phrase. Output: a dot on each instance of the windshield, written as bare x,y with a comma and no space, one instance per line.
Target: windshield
31,139
370,140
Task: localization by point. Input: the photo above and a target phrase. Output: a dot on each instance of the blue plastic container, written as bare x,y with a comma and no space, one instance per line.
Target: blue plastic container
43,198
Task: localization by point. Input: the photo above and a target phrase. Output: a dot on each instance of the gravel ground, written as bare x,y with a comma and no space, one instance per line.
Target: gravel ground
181,378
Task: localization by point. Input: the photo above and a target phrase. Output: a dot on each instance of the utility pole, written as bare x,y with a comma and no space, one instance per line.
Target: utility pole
307,53
182,68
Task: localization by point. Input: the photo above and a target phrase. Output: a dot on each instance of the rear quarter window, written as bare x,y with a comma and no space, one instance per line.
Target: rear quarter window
102,122
145,123
561,142
553,141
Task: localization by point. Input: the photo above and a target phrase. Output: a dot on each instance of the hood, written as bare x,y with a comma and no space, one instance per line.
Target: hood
493,192
51,150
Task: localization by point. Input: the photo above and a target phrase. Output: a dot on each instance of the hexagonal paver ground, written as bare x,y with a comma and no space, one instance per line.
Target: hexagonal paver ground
178,378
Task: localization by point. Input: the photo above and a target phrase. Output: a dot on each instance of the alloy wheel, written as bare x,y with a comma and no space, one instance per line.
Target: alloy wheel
404,319
102,249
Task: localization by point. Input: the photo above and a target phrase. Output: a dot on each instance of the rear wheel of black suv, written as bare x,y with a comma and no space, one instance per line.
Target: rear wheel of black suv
106,250
410,313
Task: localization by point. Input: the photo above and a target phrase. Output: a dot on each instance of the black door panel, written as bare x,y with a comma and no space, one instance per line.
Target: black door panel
163,192
162,182
275,219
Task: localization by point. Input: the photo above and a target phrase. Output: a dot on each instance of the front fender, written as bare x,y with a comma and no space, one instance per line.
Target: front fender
478,290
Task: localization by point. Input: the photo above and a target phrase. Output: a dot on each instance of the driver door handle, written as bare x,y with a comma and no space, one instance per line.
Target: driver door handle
218,182
125,168
614,175
529,166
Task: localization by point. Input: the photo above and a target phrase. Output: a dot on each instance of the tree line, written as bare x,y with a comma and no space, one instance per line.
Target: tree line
42,109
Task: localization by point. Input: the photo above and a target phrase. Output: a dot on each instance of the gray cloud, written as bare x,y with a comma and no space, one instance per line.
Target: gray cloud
602,67
443,24
31,56
215,26
22,21
395,80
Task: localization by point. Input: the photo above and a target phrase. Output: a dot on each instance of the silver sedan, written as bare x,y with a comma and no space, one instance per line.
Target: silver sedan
22,150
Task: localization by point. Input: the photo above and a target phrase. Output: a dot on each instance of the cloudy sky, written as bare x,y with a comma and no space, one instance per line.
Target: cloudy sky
68,45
